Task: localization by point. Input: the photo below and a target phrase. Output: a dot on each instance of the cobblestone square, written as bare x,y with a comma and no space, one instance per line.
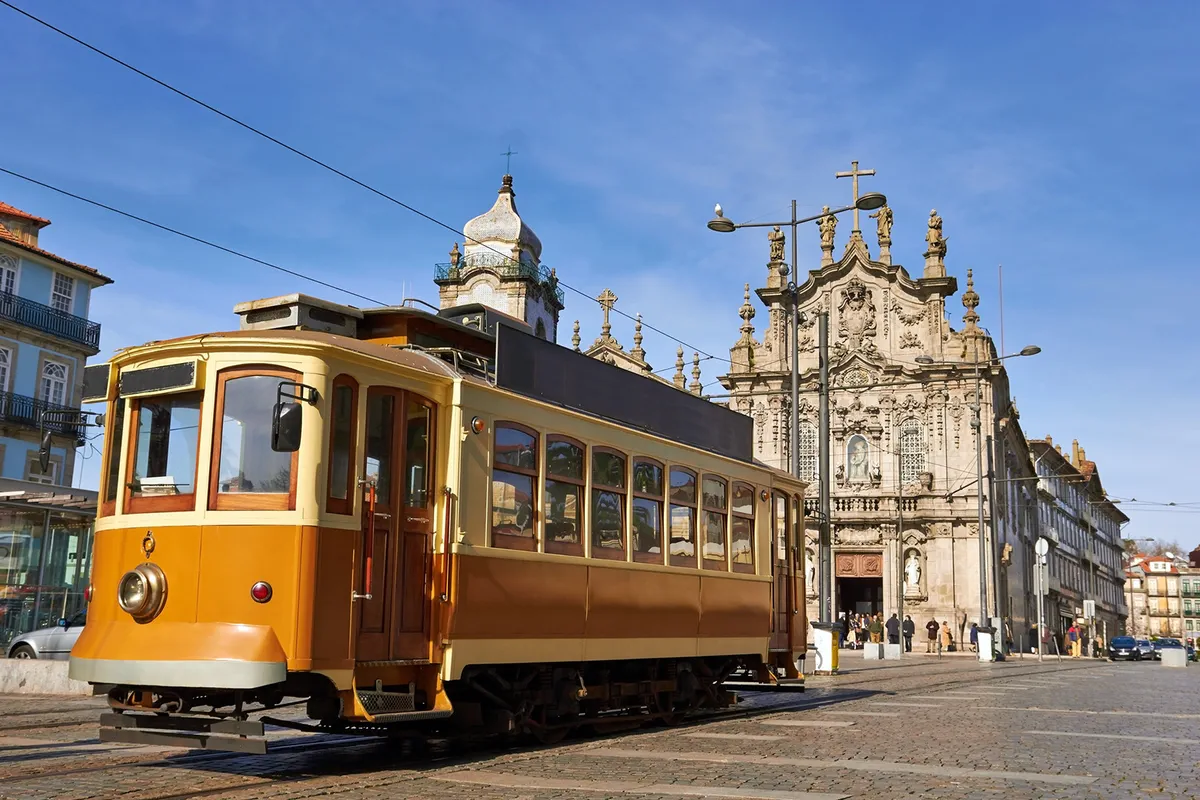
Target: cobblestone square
928,727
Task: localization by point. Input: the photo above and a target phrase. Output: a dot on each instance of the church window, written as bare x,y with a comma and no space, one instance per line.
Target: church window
912,451
608,504
513,487
808,451
741,548
647,511
541,329
716,515
683,517
565,461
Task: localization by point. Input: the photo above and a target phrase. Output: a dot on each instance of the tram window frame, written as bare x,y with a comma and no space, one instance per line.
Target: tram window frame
113,440
674,501
515,541
168,502
749,491
334,504
580,485
247,501
621,492
720,562
639,555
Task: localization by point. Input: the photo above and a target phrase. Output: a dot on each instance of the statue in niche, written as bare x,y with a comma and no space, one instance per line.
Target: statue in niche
810,572
827,225
858,467
776,238
912,573
876,475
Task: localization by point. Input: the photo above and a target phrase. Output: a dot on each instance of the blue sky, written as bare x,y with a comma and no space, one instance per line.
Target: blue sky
1055,139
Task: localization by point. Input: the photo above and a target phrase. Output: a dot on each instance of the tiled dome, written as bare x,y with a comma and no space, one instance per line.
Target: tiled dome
502,223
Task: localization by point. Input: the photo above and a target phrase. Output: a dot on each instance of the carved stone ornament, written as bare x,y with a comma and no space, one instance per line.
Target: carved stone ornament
858,536
907,319
856,317
909,341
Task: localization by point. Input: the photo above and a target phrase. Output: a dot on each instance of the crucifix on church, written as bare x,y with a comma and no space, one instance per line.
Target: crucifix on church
510,153
607,301
854,174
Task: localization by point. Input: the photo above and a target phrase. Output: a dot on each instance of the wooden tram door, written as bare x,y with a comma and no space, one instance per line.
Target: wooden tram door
784,576
394,624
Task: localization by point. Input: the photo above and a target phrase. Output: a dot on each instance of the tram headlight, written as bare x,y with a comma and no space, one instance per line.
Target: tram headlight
142,591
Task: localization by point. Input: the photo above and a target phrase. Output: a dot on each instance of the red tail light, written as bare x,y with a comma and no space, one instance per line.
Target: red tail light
87,594
261,592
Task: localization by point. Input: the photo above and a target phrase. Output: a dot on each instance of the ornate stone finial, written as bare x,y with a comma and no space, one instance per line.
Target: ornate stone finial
970,299
746,312
777,238
679,380
455,255
575,338
695,385
607,301
506,185
637,351
828,227
883,222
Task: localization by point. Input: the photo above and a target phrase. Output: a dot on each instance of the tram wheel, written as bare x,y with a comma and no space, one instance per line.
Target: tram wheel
549,736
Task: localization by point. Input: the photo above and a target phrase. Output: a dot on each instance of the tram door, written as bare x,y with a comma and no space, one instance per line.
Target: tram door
394,624
781,583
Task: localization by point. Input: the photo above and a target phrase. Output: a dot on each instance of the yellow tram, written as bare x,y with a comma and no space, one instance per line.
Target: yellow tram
415,524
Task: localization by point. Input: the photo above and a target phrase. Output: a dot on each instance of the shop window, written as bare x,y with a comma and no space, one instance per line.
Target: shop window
715,496
608,504
514,475
683,517
563,503
647,511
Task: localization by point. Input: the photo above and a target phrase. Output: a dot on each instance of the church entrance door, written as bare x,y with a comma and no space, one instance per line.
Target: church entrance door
860,595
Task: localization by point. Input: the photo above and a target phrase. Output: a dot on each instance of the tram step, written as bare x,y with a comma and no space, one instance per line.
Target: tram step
172,730
377,703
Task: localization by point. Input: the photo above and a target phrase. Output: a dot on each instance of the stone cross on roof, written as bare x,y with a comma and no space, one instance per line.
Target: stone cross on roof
854,174
607,300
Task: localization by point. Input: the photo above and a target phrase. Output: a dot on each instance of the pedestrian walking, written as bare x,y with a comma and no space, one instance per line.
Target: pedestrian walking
931,631
893,630
974,634
947,640
1073,640
909,628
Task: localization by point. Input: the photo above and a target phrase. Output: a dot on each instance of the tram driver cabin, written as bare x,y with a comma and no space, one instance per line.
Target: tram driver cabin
404,519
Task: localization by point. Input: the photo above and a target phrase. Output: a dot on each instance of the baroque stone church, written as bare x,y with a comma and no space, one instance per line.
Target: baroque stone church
904,509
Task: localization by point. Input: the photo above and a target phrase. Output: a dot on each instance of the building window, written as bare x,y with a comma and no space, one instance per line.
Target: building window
565,463
608,504
249,474
514,473
808,452
683,517
54,382
647,511
5,366
342,428
8,274
167,428
62,295
716,513
741,543
34,474
912,451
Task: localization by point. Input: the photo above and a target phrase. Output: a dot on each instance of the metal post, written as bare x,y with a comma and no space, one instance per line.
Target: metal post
900,535
825,543
795,353
994,548
978,425
1041,616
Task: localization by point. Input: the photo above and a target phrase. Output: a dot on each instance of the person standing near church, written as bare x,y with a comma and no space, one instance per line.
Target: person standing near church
974,637
909,628
893,630
1073,639
876,629
931,631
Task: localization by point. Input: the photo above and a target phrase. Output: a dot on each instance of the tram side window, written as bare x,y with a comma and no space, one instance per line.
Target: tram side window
741,547
165,451
715,495
608,504
514,475
780,520
565,459
647,511
249,474
343,413
683,517
115,437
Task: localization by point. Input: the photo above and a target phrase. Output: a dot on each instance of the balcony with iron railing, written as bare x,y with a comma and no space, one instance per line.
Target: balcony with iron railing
504,267
27,411
33,314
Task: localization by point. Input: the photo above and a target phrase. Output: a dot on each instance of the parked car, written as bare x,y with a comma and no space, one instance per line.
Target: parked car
50,643
1165,644
1146,648
1124,648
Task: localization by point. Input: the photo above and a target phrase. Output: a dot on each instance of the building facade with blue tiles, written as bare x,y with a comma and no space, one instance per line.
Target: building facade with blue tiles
45,339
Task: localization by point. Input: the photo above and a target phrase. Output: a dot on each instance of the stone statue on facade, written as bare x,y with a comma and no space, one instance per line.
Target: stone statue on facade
828,225
912,573
937,244
810,572
883,218
860,468
840,475
776,238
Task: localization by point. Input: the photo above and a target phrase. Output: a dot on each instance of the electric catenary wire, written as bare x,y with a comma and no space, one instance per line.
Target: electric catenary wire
314,160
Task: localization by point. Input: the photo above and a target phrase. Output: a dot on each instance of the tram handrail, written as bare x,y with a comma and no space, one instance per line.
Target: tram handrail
369,546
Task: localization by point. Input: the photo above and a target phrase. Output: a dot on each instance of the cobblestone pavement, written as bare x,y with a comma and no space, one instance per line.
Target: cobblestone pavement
926,726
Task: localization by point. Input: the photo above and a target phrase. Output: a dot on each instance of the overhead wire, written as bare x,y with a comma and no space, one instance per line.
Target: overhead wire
318,162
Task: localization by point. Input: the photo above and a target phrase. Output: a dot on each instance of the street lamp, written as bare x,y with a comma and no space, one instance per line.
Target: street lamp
985,654
722,224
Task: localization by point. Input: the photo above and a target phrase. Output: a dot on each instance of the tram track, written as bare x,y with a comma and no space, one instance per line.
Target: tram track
446,753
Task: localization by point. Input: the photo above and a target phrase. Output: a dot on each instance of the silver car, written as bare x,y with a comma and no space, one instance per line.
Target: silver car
49,643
